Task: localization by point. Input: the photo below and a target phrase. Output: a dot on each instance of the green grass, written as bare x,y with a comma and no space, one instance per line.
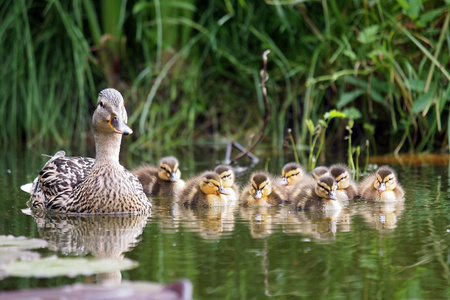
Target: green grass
189,70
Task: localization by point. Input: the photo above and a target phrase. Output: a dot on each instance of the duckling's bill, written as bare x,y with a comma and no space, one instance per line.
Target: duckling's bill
118,125
223,191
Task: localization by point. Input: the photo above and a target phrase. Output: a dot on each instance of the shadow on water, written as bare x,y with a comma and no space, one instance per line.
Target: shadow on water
368,250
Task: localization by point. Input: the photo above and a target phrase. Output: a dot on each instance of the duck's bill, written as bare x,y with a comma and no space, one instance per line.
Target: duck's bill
283,181
173,177
258,194
382,187
118,125
223,191
332,195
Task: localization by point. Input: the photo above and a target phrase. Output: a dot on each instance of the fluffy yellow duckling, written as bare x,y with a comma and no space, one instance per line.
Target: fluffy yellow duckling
319,171
346,187
164,180
381,186
291,174
227,176
262,190
81,185
204,190
319,196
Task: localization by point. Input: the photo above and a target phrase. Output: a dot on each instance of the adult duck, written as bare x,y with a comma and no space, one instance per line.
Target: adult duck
80,185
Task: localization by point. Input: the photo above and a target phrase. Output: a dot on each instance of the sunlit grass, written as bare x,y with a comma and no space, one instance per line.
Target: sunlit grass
190,70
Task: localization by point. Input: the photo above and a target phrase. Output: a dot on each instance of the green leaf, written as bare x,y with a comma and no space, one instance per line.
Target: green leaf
333,114
369,34
9,243
71,267
310,125
346,98
422,102
352,113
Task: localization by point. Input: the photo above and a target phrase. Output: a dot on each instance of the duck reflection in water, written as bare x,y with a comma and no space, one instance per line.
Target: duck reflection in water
319,225
103,236
211,223
382,216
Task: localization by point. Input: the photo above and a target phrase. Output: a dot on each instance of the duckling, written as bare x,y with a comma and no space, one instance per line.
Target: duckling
204,190
227,176
381,186
319,171
291,174
262,190
76,185
346,187
319,196
164,180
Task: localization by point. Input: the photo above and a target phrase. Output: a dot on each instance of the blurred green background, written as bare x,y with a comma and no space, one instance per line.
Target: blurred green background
189,71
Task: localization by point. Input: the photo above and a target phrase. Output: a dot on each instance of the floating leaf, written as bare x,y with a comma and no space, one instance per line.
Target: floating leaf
9,242
71,267
10,256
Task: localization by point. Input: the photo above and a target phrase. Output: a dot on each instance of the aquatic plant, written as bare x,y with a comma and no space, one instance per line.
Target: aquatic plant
189,70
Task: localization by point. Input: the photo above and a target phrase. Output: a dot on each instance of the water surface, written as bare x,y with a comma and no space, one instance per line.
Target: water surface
368,251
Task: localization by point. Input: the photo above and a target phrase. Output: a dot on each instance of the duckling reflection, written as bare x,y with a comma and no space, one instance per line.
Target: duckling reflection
210,223
104,236
320,225
382,216
263,220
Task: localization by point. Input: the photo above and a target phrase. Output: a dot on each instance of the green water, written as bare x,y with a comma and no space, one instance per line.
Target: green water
365,252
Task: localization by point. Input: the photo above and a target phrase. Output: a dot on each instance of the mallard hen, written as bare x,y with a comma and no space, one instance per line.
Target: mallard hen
75,185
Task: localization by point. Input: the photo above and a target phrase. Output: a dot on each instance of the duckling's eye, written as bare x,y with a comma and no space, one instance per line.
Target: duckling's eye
101,103
391,179
295,174
226,176
210,183
345,177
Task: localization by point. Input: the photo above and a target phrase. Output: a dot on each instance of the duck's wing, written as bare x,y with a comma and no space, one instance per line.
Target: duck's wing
57,179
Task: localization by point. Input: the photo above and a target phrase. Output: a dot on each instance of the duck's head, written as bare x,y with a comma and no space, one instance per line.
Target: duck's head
261,186
212,184
169,169
110,116
326,187
291,174
319,171
341,175
226,174
386,179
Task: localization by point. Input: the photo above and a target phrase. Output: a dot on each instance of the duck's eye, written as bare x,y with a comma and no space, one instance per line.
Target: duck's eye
391,179
210,183
101,103
340,179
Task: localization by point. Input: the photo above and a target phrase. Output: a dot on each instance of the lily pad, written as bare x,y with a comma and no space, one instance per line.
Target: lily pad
10,256
71,267
9,243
